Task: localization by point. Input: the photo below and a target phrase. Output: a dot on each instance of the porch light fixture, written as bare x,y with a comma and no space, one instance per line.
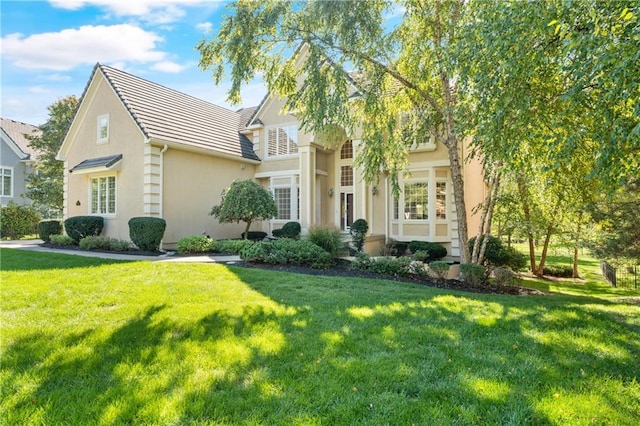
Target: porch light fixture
374,190
330,192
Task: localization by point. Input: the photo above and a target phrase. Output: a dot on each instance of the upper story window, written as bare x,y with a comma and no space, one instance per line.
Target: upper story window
103,195
282,141
346,151
6,186
103,128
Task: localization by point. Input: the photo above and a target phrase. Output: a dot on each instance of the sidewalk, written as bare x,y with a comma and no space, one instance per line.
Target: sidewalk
34,245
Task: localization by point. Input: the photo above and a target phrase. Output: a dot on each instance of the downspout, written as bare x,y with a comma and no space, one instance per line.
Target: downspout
161,197
164,149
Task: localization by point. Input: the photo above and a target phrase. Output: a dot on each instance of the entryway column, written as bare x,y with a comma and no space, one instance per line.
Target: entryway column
307,186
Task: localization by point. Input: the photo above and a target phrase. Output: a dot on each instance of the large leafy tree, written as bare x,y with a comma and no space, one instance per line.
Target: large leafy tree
245,201
405,75
44,185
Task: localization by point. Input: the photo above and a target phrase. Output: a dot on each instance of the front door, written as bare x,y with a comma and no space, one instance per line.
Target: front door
346,210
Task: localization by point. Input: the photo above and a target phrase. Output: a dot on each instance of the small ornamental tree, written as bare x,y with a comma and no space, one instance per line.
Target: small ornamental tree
245,201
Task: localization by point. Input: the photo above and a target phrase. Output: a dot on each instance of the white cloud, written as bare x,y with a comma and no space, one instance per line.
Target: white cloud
39,89
151,11
88,44
57,77
205,27
168,66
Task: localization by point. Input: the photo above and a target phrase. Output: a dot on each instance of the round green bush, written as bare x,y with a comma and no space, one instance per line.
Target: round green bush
46,228
79,227
359,229
289,230
435,251
147,232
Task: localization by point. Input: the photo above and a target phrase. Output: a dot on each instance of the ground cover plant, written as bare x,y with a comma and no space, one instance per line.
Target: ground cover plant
87,340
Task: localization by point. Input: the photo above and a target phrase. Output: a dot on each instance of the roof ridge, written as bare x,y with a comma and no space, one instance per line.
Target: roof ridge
165,87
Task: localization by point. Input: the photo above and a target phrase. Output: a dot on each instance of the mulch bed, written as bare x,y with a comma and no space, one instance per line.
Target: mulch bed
342,268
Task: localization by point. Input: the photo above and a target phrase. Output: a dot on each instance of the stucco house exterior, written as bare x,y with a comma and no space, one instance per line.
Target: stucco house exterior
16,160
136,148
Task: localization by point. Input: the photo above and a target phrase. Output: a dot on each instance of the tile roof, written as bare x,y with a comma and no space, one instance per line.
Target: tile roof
16,131
171,116
98,162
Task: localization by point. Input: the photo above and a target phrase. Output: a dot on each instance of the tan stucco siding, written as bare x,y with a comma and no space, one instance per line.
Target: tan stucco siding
124,138
474,193
192,184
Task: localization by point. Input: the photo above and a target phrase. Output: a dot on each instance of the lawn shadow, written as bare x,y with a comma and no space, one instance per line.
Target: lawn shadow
30,260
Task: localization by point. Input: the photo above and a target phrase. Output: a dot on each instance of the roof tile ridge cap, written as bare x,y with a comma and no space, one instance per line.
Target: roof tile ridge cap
169,88
122,98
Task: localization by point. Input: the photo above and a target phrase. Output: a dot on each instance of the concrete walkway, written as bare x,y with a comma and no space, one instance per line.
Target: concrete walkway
34,245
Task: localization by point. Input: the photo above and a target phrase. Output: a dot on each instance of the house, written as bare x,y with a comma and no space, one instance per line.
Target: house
16,160
136,148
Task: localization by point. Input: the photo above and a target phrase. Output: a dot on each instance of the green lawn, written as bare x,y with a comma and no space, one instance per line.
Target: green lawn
88,341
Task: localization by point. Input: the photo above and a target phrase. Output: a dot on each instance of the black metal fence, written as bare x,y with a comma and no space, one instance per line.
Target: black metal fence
623,277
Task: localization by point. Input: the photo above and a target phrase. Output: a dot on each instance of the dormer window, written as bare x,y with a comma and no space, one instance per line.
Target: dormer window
103,128
282,141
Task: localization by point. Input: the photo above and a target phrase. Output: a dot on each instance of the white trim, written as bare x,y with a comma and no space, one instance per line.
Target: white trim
22,156
280,173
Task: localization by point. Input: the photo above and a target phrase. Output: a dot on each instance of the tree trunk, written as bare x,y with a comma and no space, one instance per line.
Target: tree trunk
547,238
458,196
246,230
493,195
575,248
524,197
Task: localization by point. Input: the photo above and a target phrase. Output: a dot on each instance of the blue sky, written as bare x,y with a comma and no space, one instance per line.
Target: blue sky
50,47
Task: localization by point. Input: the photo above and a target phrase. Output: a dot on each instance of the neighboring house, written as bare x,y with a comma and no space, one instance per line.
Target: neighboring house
136,148
16,160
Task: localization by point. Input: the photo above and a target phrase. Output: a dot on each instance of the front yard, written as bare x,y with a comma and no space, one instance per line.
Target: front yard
88,341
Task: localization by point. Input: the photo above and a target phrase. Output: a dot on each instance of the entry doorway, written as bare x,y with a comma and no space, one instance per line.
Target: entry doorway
346,210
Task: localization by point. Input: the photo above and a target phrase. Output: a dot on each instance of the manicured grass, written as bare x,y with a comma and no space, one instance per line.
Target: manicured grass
170,343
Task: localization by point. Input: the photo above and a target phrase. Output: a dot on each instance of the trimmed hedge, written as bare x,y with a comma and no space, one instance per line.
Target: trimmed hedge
394,266
560,271
497,254
100,242
255,235
196,244
147,232
16,221
79,227
289,230
47,228
232,246
435,251
287,251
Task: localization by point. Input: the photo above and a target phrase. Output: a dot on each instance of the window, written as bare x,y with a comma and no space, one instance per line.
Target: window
441,200
346,176
346,151
416,201
103,128
282,197
103,195
286,194
6,186
282,141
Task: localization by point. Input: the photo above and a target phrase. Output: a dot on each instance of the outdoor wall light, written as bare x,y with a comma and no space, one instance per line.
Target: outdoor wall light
374,190
330,192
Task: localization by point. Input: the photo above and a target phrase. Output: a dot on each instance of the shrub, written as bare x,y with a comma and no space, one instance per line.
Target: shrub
78,227
386,265
62,240
195,244
99,242
560,271
232,246
289,230
472,273
421,256
435,251
439,270
16,221
505,277
327,237
255,235
287,251
147,232
46,228
497,254
358,231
